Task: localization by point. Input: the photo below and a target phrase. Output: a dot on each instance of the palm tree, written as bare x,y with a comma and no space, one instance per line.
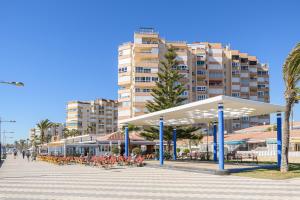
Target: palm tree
91,129
44,125
17,145
22,144
55,125
35,142
74,133
48,138
291,77
66,132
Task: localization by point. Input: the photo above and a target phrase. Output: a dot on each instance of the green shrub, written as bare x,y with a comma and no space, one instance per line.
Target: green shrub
178,150
186,151
115,150
136,151
167,155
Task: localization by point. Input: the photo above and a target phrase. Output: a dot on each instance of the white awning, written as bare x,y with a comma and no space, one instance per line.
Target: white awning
205,111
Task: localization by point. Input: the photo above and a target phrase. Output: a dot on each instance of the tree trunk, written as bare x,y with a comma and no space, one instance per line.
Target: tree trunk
169,146
286,137
42,136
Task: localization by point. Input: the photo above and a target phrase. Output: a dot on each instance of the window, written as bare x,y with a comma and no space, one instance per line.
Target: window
101,112
245,118
262,73
201,97
245,68
252,62
122,69
201,88
200,62
142,70
199,57
142,90
260,93
244,60
146,79
124,95
125,103
235,57
201,72
215,75
260,86
185,93
180,67
101,126
235,73
244,82
236,94
235,64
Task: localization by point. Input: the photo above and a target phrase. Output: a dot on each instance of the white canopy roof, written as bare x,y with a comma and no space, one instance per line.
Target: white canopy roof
205,111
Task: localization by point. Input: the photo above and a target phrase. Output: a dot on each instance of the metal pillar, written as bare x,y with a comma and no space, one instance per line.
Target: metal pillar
279,139
161,141
221,135
215,141
174,144
65,149
126,141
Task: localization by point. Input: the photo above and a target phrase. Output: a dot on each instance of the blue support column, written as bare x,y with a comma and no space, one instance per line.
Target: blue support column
215,141
161,141
279,139
221,136
174,144
126,142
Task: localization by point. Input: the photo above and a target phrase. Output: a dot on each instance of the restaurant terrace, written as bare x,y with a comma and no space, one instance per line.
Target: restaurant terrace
215,109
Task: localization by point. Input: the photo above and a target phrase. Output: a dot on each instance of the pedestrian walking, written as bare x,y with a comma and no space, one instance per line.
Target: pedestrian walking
15,153
23,154
28,155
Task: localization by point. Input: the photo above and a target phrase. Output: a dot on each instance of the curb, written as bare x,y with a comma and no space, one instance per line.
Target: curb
187,169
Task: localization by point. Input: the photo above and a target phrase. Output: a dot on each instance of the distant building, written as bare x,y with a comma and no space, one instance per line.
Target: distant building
56,132
209,69
97,117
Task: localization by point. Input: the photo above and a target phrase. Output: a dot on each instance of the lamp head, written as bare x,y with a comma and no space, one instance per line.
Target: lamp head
19,84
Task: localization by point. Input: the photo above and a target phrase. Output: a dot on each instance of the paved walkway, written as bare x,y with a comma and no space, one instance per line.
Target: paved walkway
20,180
204,166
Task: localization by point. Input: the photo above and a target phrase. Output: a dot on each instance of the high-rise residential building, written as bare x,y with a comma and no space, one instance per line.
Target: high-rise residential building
209,69
92,117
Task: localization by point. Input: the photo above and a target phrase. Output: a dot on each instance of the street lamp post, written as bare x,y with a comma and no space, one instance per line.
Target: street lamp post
9,121
4,137
18,84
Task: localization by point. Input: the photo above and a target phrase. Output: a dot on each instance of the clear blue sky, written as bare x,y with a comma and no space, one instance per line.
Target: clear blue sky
67,49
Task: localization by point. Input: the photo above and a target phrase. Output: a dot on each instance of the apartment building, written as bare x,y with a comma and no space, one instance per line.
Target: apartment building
92,117
209,69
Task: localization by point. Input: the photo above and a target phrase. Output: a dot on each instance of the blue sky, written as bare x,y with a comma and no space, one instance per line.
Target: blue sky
67,49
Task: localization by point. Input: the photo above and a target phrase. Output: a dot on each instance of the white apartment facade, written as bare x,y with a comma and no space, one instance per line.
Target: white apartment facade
98,117
209,69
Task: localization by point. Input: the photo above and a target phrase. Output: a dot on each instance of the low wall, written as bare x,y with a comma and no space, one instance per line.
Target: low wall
294,156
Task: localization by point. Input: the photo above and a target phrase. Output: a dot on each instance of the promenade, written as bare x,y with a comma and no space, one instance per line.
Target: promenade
20,180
